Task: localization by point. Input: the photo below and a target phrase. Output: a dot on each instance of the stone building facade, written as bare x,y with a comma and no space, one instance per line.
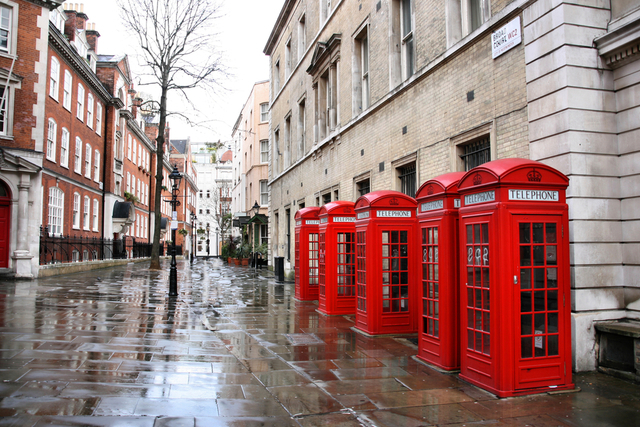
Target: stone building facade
386,94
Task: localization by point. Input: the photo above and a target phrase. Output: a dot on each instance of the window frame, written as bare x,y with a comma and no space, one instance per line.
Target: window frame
54,78
12,28
96,207
75,216
86,213
87,160
264,192
96,166
56,211
64,148
99,118
90,105
67,90
77,160
52,131
80,102
264,112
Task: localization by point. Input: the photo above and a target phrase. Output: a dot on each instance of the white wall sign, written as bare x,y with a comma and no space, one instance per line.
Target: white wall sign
344,219
506,38
536,195
363,215
431,206
312,222
472,199
393,214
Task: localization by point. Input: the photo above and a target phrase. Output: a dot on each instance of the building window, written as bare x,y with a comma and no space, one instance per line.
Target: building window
326,198
99,119
135,152
129,148
324,70
264,112
68,84
302,129
139,155
76,211
361,71
96,166
85,213
4,112
477,11
56,211
54,78
302,37
287,59
276,152
64,148
77,163
87,161
276,77
475,153
287,141
90,110
363,187
325,8
51,140
80,106
95,214
407,39
264,193
6,29
264,151
407,178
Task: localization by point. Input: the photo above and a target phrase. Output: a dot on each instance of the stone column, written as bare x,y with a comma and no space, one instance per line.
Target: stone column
22,256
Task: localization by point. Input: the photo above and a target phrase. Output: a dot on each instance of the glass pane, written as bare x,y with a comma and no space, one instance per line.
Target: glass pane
469,234
403,236
525,324
526,348
478,343
395,305
553,345
478,298
404,264
470,318
525,302
476,233
404,250
395,292
525,256
469,276
485,233
470,344
478,321
486,322
552,325
486,349
552,300
435,236
394,236
538,300
385,277
404,291
525,278
538,255
525,233
425,307
539,323
435,271
385,264
404,277
538,278
552,277
470,297
385,250
478,276
436,332
551,233
552,257
539,346
424,236
385,237
485,300
538,232
485,255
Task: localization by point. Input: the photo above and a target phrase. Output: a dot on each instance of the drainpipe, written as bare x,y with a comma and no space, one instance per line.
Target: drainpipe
104,167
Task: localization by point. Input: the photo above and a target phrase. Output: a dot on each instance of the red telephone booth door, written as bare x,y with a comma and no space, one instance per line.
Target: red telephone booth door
477,299
5,225
543,332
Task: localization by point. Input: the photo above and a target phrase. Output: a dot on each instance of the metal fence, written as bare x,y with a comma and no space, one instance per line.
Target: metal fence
64,249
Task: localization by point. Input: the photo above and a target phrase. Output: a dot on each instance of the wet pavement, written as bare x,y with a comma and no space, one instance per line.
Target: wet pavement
109,348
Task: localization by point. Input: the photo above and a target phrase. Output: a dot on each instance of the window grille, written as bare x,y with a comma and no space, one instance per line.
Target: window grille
407,176
476,153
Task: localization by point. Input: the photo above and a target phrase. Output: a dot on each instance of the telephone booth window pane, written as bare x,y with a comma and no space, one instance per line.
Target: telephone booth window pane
321,278
538,278
552,256
430,280
313,259
552,300
526,348
478,287
553,345
525,302
361,245
526,324
538,255
346,268
525,256
525,233
525,278
551,233
538,232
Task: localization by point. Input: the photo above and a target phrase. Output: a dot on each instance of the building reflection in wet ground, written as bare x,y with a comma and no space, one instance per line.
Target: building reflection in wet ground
236,349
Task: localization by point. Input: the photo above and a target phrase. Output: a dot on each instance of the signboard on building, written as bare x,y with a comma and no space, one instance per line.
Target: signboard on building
506,38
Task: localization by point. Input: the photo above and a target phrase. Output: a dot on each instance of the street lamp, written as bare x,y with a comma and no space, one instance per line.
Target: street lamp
193,235
175,178
256,210
207,240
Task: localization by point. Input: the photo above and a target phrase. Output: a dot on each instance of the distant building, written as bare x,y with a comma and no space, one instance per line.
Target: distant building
251,165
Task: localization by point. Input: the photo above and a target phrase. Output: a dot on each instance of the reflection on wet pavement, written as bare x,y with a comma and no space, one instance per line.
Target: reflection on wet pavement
235,348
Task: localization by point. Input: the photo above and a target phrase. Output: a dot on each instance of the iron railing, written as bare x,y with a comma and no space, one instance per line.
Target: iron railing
65,249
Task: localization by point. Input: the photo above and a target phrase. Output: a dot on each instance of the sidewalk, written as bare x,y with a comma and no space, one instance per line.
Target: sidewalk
109,347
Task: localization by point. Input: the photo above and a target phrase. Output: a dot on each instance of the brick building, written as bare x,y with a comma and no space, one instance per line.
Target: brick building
24,63
180,156
376,95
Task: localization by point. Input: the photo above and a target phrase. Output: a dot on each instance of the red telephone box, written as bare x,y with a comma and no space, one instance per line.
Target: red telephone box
515,278
337,290
307,253
386,264
438,326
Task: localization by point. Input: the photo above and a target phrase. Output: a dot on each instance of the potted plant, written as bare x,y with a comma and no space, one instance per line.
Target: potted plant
130,197
183,232
244,253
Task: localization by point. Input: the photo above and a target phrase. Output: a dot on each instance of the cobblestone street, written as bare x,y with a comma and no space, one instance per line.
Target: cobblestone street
235,348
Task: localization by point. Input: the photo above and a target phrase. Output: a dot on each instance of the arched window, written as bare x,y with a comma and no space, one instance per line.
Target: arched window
51,140
54,78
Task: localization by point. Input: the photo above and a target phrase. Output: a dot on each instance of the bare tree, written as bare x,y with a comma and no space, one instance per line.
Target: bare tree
176,40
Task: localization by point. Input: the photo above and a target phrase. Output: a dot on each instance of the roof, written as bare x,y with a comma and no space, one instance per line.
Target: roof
180,145
227,156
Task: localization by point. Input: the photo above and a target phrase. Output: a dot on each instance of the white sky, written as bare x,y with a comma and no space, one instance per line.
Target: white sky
244,28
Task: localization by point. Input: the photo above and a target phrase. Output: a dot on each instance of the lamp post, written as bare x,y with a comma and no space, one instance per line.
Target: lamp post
207,241
175,178
193,235
256,210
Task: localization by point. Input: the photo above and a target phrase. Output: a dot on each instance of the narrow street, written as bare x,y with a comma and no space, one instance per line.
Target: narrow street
109,347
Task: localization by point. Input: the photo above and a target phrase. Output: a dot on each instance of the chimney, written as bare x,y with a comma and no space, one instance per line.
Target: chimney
82,18
92,37
71,23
